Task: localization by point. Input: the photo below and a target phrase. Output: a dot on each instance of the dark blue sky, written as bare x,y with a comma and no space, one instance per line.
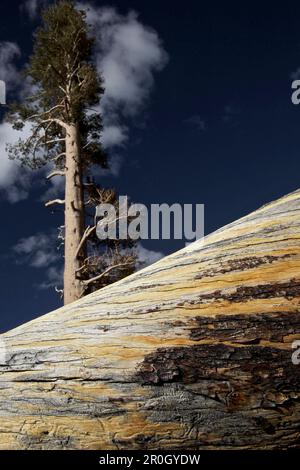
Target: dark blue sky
219,127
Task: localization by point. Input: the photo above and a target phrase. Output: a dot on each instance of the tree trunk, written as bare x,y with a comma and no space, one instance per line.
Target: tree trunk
193,352
74,215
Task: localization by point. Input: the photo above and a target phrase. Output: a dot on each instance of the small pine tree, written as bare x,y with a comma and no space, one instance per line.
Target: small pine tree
65,134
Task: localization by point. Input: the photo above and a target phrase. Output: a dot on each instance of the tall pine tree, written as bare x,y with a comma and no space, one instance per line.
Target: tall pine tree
66,135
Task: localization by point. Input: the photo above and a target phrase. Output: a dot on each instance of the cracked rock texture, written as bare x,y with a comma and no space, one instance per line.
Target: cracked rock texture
194,351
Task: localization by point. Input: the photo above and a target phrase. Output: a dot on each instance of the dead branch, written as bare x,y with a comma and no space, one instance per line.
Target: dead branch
108,270
38,115
88,231
54,201
56,173
60,292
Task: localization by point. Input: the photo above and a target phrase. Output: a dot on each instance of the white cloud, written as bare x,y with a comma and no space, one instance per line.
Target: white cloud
8,168
128,54
40,251
15,181
32,7
54,278
147,257
9,52
114,136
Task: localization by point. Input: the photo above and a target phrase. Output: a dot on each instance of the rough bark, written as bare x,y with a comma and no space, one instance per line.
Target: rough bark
74,216
192,352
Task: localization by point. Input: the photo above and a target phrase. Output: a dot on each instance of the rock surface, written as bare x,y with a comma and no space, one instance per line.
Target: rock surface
192,352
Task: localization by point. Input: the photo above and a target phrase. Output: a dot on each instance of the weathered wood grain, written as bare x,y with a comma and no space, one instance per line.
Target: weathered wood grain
194,351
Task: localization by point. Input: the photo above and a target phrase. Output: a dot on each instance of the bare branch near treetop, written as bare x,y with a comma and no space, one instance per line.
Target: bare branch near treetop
55,141
42,113
56,173
55,201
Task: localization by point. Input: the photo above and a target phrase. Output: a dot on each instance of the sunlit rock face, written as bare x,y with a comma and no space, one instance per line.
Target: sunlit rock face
194,351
